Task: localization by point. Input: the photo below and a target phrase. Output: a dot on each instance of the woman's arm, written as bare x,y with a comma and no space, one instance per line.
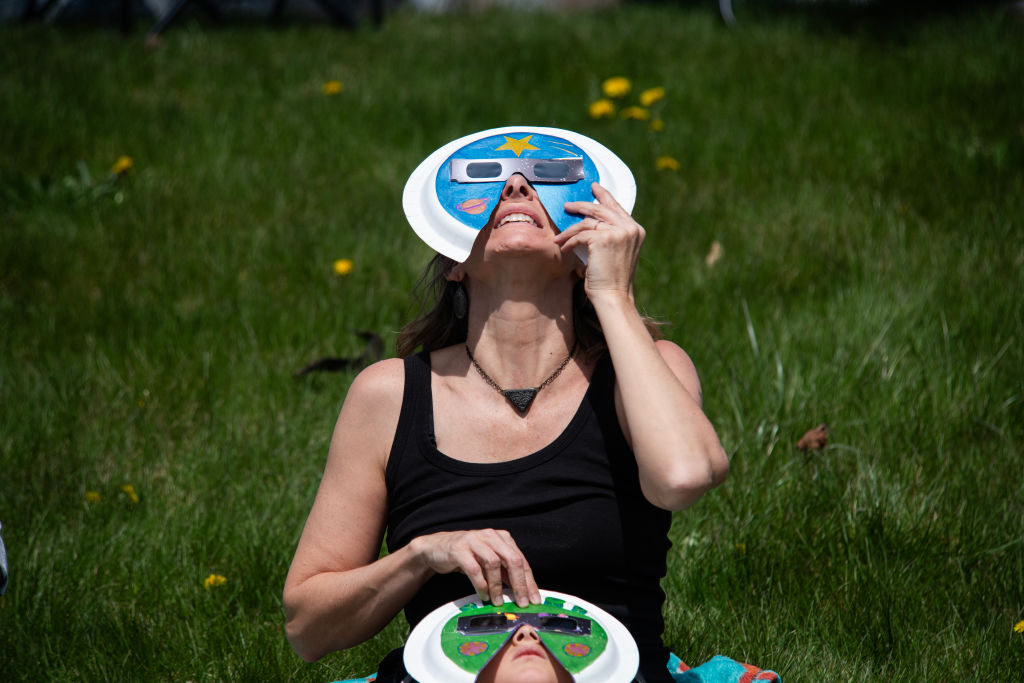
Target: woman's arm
657,392
338,593
658,400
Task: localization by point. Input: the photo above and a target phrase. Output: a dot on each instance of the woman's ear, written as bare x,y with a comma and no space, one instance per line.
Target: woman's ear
456,273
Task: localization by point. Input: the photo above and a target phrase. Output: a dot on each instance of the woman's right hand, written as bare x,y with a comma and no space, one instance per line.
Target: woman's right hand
488,557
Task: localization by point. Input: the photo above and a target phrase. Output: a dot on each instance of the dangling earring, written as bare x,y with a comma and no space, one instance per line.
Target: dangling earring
460,303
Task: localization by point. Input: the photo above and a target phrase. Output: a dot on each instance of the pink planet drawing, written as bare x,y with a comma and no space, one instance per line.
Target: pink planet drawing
577,649
473,206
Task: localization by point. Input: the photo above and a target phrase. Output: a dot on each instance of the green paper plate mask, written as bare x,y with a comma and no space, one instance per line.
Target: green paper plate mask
455,642
477,633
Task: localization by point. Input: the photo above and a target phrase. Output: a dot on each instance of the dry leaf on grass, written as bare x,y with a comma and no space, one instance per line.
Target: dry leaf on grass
814,439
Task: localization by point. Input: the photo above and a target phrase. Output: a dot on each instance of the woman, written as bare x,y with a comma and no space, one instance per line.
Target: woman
568,484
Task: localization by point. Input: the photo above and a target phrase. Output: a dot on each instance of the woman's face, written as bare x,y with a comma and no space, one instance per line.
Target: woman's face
520,224
524,659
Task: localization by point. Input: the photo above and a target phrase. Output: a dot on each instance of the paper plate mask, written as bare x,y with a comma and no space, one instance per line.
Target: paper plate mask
454,642
450,196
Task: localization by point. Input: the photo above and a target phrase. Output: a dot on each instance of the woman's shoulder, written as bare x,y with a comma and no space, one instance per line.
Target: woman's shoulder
380,385
682,367
672,353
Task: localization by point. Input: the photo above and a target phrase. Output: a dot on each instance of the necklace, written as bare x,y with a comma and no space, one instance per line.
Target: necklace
521,398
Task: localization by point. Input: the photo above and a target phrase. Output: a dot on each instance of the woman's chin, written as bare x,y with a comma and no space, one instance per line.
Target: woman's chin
524,246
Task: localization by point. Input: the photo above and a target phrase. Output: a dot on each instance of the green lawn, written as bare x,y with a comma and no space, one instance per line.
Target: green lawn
864,182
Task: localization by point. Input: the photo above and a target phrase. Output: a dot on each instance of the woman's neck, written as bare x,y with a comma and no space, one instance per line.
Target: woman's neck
520,337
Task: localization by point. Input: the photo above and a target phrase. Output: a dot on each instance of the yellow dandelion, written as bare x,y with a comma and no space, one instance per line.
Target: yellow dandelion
616,87
122,165
332,87
214,580
343,266
93,496
651,95
657,125
741,548
1018,627
129,491
637,113
667,163
714,254
602,109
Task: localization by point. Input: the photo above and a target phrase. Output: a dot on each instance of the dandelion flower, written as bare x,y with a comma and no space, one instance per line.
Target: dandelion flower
657,125
714,254
616,87
214,580
129,491
741,548
651,95
122,165
93,496
332,87
602,109
343,266
637,113
1019,627
667,163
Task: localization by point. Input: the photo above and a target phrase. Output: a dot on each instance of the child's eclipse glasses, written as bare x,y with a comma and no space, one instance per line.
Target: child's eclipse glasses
504,622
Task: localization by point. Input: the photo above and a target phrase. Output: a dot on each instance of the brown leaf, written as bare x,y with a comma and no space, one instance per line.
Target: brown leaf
814,439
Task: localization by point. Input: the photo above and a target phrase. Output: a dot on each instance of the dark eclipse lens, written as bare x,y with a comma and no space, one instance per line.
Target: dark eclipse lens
488,622
483,170
551,169
562,624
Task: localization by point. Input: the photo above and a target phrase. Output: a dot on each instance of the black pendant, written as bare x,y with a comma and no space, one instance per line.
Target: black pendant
520,398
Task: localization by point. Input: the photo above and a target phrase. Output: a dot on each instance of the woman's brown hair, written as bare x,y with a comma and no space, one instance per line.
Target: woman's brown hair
438,327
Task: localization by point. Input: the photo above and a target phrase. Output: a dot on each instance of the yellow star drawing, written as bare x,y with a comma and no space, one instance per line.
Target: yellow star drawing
517,146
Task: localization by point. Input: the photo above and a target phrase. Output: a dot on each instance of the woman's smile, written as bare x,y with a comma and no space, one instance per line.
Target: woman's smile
517,218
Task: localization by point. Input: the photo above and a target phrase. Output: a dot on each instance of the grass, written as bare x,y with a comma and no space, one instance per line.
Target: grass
863,178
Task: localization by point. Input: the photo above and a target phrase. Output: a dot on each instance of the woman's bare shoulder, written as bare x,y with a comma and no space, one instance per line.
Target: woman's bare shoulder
379,386
370,413
682,367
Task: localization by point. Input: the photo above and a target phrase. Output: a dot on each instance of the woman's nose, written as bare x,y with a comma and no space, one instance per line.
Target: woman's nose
517,187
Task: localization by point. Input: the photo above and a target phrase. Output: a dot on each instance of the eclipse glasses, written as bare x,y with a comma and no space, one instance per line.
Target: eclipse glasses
504,622
534,170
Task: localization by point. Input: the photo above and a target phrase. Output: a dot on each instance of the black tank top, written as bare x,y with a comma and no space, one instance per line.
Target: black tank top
574,508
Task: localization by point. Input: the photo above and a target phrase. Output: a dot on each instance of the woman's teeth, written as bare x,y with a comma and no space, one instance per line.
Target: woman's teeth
517,218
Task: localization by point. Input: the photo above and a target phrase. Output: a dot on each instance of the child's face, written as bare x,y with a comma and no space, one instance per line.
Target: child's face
524,659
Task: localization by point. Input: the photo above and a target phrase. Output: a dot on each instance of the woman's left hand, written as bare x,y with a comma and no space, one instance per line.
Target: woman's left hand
612,240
